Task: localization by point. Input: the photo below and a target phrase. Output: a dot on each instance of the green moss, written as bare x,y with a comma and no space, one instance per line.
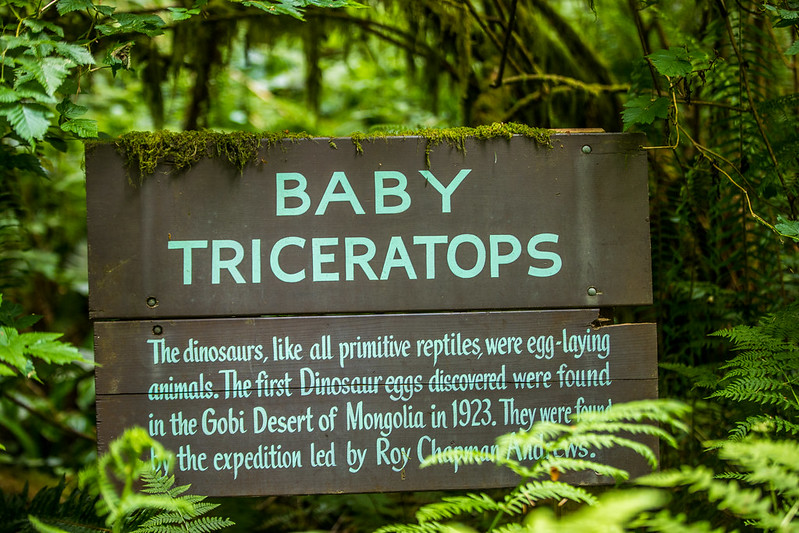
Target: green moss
145,151
456,137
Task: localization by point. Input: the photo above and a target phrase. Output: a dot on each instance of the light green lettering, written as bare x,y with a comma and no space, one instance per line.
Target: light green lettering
398,191
318,258
429,242
361,260
397,256
217,263
452,253
295,192
274,260
503,259
534,253
446,192
347,194
187,247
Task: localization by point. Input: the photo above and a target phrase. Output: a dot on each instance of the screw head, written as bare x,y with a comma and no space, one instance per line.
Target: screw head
592,291
152,302
157,330
586,149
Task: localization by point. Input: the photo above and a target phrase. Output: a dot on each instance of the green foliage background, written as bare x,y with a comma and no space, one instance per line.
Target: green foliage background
713,83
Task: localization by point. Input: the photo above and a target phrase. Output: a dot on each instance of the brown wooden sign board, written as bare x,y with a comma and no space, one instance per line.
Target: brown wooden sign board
329,404
499,224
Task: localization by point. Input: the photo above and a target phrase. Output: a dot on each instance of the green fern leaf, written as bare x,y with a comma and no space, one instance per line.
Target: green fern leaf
41,527
666,522
534,491
614,512
184,512
452,506
427,527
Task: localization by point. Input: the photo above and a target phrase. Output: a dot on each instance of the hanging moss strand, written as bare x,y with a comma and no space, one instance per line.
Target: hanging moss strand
145,151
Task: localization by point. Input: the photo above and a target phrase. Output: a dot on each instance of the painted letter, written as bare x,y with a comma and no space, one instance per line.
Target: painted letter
397,256
430,242
187,247
361,260
217,263
348,194
274,259
381,191
446,192
296,192
318,258
551,270
452,252
505,259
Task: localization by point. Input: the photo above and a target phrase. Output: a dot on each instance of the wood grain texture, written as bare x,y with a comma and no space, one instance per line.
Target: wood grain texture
395,406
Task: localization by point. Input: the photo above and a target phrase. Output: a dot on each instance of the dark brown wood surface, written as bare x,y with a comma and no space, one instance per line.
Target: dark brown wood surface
433,253
215,412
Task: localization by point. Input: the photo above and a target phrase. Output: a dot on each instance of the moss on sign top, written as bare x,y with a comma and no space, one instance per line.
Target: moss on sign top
146,150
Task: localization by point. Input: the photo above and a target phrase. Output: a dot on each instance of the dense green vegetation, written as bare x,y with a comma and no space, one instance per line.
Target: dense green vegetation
713,84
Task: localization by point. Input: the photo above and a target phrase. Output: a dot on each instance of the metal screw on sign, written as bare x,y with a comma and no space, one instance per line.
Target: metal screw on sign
592,291
152,302
157,330
586,149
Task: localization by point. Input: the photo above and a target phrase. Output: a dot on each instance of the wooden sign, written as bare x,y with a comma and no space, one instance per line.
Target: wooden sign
183,268
497,224
332,404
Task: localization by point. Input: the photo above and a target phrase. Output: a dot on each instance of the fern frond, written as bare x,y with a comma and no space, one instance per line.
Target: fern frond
615,511
666,522
513,527
700,376
775,463
176,511
745,502
61,525
751,338
42,527
452,506
529,493
156,483
739,393
426,527
743,427
565,464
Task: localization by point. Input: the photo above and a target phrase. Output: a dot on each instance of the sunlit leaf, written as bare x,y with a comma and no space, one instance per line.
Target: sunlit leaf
181,13
70,110
79,54
29,121
8,95
672,62
68,6
39,26
82,127
149,25
788,228
50,72
644,110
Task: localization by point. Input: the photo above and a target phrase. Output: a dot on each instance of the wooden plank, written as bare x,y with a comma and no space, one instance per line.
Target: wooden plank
286,405
501,224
